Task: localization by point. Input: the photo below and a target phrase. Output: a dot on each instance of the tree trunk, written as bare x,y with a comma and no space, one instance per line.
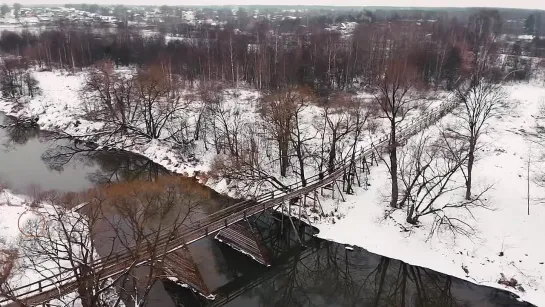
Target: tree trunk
413,220
284,159
470,161
332,155
301,164
393,165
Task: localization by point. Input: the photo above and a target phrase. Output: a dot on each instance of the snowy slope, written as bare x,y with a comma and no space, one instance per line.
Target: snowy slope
506,228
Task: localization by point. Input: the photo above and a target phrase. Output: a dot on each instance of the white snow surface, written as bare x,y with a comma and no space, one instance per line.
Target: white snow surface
16,211
360,220
504,227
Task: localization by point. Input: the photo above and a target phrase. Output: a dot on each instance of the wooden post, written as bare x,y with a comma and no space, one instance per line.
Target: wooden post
282,221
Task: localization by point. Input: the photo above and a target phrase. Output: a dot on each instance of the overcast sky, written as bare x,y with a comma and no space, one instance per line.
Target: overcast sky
528,4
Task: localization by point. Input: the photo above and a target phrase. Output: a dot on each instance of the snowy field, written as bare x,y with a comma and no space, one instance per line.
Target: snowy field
507,241
504,229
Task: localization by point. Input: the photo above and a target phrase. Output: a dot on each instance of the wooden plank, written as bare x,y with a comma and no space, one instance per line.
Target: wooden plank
180,264
240,237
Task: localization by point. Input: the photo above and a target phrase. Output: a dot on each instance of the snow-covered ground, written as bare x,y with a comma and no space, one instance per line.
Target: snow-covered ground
507,240
505,229
17,211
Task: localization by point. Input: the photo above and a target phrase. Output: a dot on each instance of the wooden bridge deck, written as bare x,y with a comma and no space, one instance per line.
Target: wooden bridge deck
61,284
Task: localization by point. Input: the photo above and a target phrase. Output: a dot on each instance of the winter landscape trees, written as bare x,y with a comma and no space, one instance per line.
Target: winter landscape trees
395,103
179,92
481,100
115,219
264,108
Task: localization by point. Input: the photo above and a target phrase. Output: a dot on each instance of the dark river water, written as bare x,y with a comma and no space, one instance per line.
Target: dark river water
320,273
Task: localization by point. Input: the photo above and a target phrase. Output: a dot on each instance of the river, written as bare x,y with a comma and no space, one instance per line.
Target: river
321,273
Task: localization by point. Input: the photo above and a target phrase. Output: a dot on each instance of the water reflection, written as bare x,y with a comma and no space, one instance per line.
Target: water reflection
30,157
39,160
327,274
16,133
113,165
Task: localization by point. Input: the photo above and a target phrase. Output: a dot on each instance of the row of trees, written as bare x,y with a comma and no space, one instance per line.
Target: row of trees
16,81
267,58
299,134
152,104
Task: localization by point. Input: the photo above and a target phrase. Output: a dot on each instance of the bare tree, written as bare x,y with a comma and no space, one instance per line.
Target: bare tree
338,124
360,112
120,219
394,104
142,105
250,167
481,101
159,98
227,124
278,115
110,96
60,241
8,268
428,168
210,94
300,135
16,82
137,214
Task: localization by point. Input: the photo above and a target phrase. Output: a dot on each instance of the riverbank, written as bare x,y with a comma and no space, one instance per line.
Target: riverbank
505,242
60,108
360,220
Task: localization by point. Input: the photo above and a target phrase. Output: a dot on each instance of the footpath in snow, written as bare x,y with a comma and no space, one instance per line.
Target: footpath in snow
507,240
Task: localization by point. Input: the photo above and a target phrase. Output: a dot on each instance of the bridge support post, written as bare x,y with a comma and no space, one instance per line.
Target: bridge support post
282,221
316,199
286,210
336,182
